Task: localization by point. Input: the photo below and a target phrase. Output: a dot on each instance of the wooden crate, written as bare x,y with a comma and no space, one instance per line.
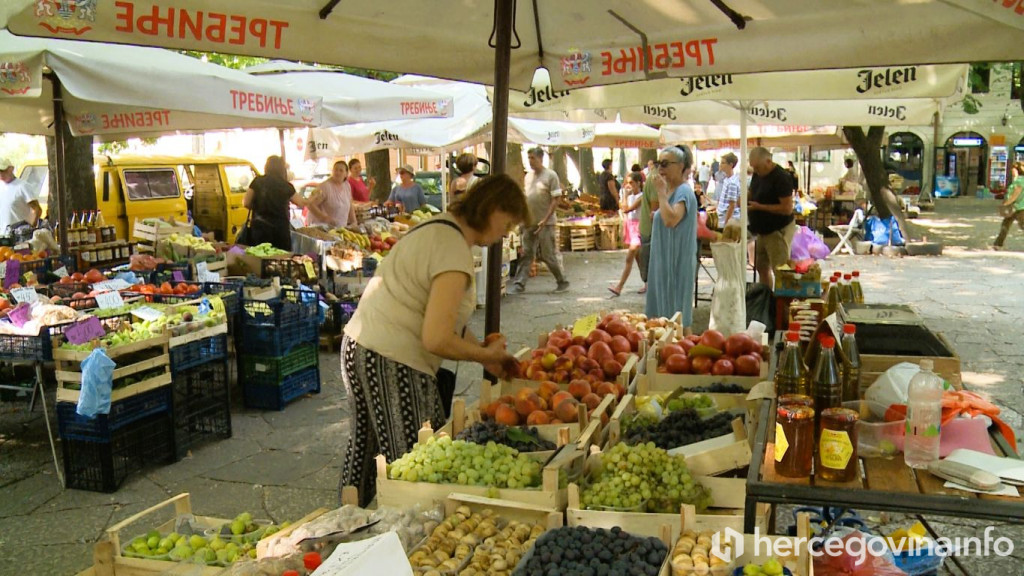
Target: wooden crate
505,509
706,458
794,552
575,237
155,352
489,392
401,493
726,512
108,560
217,330
662,382
609,235
153,233
664,534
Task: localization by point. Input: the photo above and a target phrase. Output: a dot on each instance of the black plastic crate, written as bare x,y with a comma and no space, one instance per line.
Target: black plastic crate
267,397
289,268
73,426
68,289
202,406
18,347
199,352
165,272
271,370
103,466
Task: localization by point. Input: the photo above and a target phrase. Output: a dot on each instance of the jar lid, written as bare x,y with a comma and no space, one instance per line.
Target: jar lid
795,412
840,414
796,400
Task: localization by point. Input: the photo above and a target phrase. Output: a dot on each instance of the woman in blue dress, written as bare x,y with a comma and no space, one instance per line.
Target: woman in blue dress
673,266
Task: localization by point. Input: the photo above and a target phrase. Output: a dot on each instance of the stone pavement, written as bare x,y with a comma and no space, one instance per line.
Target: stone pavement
280,465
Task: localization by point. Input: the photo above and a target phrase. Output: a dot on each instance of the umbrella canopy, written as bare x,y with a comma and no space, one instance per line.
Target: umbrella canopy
349,99
103,94
718,137
587,43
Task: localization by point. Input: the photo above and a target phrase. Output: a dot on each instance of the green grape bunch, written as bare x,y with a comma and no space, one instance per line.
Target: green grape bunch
446,461
643,478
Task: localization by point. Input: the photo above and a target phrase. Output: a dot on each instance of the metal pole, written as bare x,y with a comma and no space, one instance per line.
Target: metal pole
280,137
58,155
743,196
503,11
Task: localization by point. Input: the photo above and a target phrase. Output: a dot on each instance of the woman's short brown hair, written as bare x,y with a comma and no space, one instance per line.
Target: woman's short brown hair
465,163
730,159
275,166
497,192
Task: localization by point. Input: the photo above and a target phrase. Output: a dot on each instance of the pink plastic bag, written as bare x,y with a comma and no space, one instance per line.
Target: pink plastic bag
856,558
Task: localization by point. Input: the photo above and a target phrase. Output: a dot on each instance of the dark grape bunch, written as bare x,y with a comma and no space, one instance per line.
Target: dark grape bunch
720,388
581,551
521,438
680,429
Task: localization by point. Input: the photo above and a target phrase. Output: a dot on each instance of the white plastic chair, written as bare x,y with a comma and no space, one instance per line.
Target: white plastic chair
848,232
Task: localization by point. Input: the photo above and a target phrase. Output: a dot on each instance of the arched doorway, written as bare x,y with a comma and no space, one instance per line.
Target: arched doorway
904,155
963,165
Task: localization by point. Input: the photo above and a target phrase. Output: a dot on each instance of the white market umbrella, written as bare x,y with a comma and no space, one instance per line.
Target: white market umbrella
116,91
582,43
349,99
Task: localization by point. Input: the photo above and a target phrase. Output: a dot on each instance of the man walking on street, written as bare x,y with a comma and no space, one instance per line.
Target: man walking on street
770,209
542,192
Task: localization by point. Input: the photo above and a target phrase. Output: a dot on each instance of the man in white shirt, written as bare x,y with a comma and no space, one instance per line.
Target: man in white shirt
542,192
703,175
17,202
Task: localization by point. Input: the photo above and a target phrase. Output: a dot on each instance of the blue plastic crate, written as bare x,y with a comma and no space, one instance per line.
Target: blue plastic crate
229,292
276,341
198,352
267,397
73,426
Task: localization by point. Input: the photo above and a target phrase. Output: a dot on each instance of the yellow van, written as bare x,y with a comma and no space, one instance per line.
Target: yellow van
130,187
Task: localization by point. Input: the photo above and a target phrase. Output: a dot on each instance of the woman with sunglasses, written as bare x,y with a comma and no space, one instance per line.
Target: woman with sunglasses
673,266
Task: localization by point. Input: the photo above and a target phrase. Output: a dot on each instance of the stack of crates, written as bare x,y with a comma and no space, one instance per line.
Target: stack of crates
278,353
201,390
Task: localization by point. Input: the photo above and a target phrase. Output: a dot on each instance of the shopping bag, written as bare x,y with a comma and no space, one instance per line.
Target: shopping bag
97,383
446,388
727,302
761,305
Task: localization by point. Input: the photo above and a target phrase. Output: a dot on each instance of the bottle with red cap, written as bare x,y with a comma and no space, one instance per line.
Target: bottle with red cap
845,289
791,375
855,286
827,383
833,299
851,364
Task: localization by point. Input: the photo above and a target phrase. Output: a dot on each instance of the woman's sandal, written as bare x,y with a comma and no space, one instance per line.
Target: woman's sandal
616,293
642,290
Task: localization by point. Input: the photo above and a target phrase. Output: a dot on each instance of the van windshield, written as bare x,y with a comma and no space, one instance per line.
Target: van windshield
151,184
239,177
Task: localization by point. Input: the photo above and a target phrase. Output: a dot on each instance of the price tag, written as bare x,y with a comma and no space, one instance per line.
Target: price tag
585,325
310,271
20,315
85,331
378,555
147,313
107,300
177,276
115,285
13,272
202,268
27,295
61,272
208,277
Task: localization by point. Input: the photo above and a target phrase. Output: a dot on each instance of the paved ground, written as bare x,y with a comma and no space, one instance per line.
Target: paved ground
281,465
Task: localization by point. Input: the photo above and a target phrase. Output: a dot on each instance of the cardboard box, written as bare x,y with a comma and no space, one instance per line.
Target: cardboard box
792,284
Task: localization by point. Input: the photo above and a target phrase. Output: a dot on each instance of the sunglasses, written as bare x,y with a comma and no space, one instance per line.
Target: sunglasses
665,163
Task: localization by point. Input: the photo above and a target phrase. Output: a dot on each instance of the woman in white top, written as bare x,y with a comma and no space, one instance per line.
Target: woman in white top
331,203
632,194
412,315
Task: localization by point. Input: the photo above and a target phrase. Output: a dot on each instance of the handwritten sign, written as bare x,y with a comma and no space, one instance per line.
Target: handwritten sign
21,314
177,276
107,300
115,284
27,295
85,330
310,272
13,272
147,313
61,272
584,326
379,555
202,268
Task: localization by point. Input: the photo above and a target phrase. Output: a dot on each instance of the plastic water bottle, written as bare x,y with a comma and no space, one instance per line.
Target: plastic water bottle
924,417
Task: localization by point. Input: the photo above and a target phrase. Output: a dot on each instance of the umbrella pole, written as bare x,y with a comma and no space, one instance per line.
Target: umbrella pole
59,160
503,10
280,138
743,196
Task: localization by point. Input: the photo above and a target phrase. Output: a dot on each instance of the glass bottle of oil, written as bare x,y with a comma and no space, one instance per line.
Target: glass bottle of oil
791,375
851,364
833,299
858,290
828,383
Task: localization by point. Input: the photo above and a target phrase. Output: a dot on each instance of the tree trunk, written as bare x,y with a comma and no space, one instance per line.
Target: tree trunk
588,178
79,177
559,163
514,162
378,165
867,148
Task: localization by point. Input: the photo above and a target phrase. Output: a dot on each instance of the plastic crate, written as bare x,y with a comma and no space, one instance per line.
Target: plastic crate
229,292
292,306
202,406
17,347
288,268
271,341
337,315
165,272
276,397
272,371
103,466
67,290
122,412
198,352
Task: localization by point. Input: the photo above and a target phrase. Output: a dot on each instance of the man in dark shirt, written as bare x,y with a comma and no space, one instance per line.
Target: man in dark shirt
770,210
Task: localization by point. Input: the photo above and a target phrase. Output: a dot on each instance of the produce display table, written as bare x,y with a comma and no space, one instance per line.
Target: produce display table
887,485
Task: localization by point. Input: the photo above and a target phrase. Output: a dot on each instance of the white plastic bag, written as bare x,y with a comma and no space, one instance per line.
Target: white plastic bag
728,304
891,386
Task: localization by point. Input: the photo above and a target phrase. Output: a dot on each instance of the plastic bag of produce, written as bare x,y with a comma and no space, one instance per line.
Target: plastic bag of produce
727,301
97,383
860,555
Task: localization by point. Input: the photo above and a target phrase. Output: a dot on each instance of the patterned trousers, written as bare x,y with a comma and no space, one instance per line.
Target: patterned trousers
389,402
